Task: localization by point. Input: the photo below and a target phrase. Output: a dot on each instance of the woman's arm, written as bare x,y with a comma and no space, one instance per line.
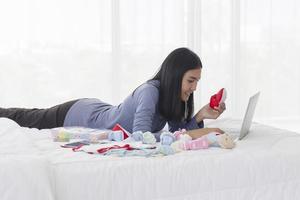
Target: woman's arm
197,133
146,98
190,125
206,112
197,121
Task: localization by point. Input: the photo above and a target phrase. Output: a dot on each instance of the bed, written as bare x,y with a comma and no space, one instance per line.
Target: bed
266,165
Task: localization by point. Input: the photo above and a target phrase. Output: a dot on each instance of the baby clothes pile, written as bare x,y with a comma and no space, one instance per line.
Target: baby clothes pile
119,142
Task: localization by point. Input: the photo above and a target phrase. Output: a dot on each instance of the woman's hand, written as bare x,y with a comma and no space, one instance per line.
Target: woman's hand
206,112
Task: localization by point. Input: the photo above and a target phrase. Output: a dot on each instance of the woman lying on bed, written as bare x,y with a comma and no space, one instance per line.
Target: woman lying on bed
166,98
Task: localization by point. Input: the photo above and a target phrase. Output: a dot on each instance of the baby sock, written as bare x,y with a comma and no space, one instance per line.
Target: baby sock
225,141
218,98
118,127
220,140
116,136
199,143
179,133
137,136
148,138
167,138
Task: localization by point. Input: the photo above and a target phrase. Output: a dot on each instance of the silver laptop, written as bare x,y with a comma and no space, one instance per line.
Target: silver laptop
247,121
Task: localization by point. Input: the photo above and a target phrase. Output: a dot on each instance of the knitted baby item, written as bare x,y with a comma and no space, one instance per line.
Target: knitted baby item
225,141
167,138
218,98
118,127
199,143
61,135
165,150
180,135
115,136
177,146
137,136
211,139
148,138
220,140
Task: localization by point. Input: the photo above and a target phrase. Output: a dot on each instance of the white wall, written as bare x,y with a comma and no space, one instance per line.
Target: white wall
53,51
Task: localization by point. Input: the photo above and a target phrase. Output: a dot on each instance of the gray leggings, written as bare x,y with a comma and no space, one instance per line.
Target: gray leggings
38,118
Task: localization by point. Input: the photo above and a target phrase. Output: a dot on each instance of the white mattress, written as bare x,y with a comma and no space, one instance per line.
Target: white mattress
266,165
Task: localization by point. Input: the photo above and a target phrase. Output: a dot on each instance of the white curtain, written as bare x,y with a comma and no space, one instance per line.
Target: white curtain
53,51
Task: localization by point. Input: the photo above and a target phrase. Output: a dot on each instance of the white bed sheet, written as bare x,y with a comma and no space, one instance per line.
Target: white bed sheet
266,165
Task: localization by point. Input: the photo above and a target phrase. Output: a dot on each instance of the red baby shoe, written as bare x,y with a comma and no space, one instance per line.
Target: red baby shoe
118,127
218,98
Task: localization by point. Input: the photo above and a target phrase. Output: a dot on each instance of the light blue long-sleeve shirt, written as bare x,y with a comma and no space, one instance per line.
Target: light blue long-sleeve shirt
138,112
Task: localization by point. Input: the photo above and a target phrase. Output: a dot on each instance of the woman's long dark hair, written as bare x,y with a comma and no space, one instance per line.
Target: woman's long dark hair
170,75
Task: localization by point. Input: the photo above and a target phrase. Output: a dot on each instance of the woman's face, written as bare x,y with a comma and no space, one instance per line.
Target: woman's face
189,83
